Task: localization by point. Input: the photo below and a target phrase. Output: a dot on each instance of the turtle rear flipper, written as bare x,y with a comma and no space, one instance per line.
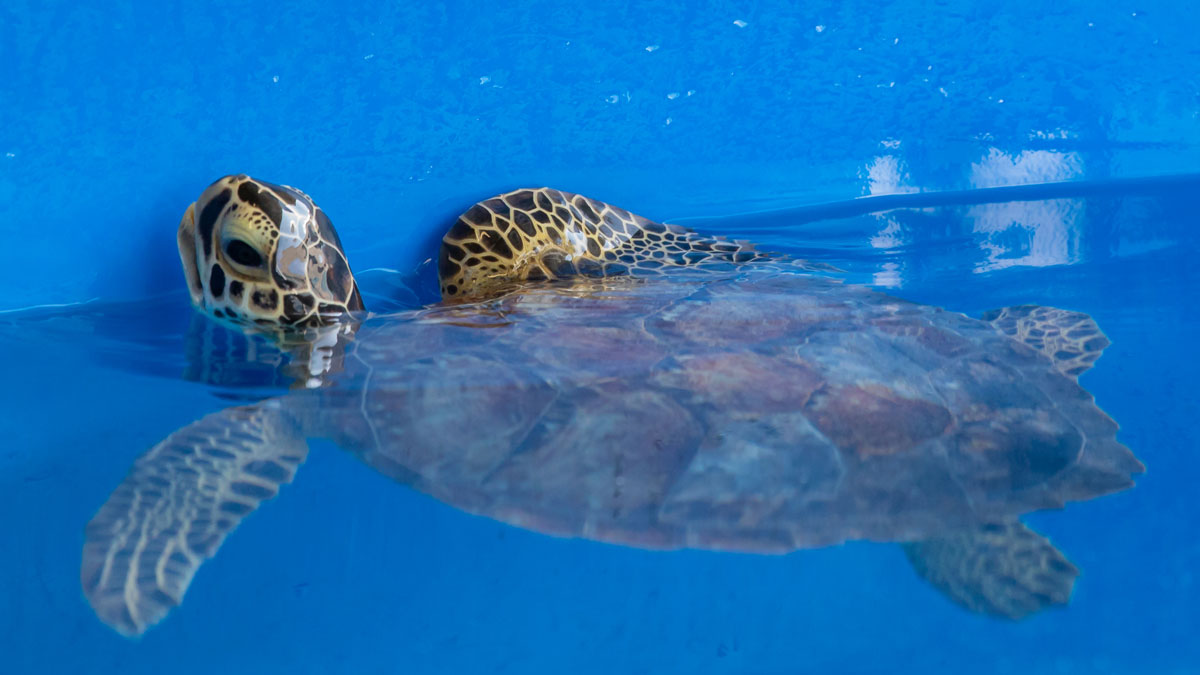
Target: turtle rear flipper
175,507
1006,570
1071,339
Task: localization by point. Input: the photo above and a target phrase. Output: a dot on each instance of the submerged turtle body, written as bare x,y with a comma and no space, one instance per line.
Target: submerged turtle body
763,411
742,404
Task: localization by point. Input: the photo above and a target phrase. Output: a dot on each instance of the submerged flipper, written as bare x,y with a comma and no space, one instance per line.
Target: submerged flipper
1006,570
177,504
1071,339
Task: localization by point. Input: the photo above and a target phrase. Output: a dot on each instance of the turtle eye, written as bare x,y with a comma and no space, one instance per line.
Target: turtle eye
242,253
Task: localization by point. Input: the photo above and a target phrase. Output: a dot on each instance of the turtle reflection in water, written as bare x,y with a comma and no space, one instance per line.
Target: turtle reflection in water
594,374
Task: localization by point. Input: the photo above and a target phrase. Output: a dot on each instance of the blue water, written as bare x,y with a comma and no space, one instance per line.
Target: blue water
396,118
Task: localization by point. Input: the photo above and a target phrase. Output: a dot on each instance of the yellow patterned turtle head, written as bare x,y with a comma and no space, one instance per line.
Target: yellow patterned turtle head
265,255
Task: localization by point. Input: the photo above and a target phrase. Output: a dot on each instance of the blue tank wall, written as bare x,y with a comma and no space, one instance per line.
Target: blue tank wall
395,118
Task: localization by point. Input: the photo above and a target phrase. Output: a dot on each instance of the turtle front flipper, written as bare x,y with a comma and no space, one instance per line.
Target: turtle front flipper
1071,339
176,506
540,234
1006,570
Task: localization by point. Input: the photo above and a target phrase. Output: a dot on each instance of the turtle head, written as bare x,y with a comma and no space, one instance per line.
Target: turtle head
265,255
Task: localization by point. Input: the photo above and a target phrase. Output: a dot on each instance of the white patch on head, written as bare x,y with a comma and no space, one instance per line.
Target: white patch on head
290,251
295,219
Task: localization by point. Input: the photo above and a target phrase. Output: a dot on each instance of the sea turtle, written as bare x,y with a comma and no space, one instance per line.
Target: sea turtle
595,374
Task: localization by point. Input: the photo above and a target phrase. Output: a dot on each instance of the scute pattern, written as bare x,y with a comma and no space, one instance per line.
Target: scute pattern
1003,569
536,234
300,253
175,507
785,410
1072,339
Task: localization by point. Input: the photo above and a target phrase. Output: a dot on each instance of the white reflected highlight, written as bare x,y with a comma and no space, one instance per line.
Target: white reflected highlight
1011,234
888,175
891,236
1030,234
888,276
998,168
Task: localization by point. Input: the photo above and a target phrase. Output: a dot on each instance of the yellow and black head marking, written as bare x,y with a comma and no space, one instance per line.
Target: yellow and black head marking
548,234
263,254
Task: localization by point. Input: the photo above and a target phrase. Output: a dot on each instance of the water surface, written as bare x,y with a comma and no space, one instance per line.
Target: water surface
348,572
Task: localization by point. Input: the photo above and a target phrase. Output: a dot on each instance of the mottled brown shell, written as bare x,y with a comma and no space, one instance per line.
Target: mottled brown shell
760,411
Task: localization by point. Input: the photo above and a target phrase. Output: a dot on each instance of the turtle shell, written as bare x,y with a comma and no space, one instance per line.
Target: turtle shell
758,411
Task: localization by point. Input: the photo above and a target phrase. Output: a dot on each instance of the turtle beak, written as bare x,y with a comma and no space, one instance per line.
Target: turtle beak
186,239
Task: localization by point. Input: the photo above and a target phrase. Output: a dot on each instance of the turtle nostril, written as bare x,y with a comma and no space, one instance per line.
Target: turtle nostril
242,253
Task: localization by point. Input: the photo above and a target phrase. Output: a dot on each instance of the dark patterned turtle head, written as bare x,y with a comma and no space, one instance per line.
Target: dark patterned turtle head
265,255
